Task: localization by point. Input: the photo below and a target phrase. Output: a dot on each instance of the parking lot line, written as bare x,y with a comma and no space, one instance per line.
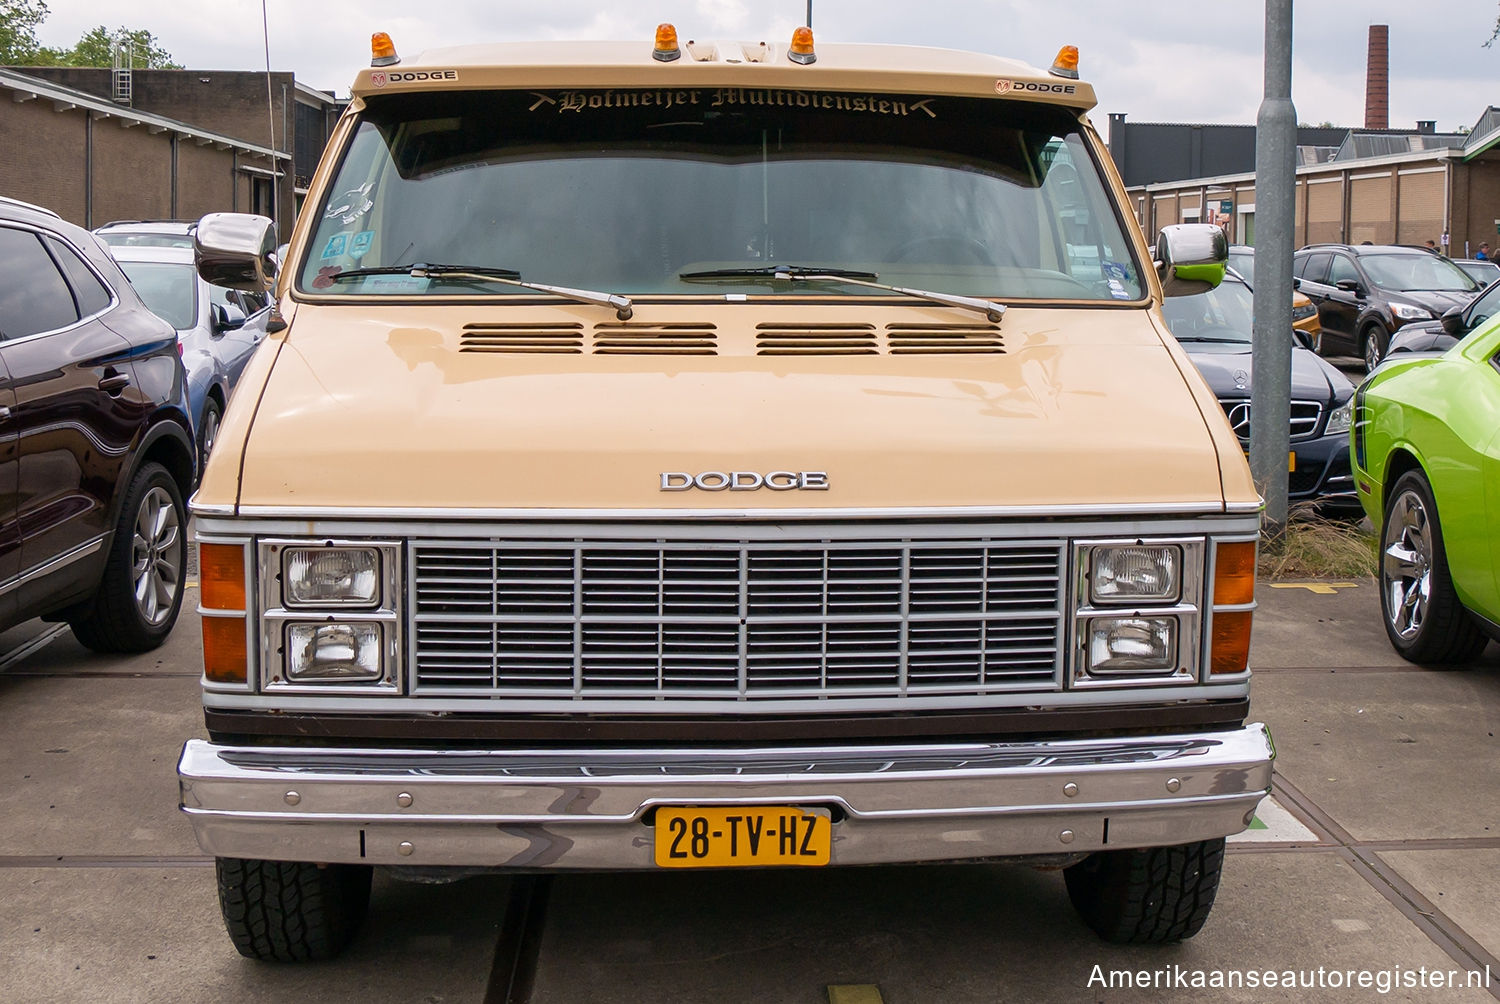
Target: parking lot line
854,993
1400,893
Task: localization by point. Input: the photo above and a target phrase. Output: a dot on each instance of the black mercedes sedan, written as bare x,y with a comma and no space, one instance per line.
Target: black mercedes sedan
1215,329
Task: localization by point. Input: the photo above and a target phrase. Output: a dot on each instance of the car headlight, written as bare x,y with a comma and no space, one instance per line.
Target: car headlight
1303,312
329,653
331,576
1411,312
1341,418
1135,573
1134,646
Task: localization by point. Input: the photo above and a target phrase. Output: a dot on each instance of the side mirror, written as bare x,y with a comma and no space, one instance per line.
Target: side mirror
226,317
1190,258
1304,339
1453,321
1350,286
236,250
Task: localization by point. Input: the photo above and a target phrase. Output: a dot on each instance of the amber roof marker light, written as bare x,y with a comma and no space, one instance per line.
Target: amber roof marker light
801,50
1066,63
666,44
383,50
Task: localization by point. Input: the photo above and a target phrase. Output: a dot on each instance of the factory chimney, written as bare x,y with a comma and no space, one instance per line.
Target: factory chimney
1377,78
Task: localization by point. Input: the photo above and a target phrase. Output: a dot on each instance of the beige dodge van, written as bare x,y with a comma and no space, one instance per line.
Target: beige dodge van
707,454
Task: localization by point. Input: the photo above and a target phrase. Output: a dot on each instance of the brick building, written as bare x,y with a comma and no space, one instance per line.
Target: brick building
159,144
1381,186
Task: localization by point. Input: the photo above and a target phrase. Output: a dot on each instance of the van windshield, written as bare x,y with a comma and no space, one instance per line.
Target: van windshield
625,190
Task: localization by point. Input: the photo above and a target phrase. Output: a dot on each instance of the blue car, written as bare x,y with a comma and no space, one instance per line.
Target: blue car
217,329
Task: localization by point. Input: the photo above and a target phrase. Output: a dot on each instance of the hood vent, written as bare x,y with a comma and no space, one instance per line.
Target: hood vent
943,339
816,340
532,338
655,340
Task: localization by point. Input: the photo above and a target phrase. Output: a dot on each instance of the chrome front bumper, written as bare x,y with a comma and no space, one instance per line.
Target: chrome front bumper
590,809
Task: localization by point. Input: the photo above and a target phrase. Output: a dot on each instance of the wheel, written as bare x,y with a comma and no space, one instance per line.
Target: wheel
1422,614
141,591
208,432
291,911
1373,346
1152,895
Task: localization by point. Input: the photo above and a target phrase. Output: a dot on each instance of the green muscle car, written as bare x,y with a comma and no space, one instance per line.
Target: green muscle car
1426,450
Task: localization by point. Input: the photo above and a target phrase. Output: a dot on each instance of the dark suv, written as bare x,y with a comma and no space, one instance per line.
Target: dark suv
1365,292
96,450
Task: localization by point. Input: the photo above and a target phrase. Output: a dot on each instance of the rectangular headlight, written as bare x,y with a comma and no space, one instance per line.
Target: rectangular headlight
1135,573
1135,646
331,576
333,652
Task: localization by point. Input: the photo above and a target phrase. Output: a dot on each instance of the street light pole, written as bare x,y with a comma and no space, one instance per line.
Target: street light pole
1271,352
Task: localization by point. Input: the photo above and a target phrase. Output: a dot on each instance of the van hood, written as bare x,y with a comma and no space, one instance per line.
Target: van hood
410,408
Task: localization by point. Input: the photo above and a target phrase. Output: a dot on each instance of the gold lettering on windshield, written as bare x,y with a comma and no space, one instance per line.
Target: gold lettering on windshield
729,97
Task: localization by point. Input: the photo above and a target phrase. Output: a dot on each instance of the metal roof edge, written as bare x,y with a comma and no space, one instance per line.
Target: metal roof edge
24,83
1327,167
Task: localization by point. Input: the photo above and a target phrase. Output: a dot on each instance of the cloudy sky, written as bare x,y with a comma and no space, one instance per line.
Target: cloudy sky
1154,60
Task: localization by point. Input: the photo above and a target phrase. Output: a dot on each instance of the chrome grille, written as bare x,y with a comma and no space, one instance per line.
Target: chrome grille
1304,418
737,619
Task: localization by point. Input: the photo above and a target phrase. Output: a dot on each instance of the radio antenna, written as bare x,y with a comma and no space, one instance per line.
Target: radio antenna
265,30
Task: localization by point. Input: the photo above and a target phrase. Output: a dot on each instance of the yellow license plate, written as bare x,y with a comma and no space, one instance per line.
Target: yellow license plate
742,836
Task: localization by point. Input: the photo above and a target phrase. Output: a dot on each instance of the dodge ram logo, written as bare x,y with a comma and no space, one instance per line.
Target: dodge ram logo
745,481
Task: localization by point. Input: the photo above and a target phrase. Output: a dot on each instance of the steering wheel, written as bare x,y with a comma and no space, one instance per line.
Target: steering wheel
943,249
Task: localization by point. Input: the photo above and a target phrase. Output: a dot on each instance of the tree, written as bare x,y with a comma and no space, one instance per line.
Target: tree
96,48
18,21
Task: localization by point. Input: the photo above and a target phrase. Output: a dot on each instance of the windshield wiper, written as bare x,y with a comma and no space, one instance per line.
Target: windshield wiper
424,270
1209,338
803,273
779,272
507,276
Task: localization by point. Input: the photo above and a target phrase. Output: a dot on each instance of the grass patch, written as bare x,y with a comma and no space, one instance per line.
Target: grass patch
1315,547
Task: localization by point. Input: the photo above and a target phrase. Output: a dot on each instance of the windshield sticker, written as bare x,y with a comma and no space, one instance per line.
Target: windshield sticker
1114,270
1117,291
351,205
394,284
360,244
724,97
335,246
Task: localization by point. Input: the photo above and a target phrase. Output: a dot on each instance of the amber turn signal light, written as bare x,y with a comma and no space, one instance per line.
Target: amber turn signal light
1066,63
1231,642
1234,573
382,50
666,44
224,649
221,576
801,50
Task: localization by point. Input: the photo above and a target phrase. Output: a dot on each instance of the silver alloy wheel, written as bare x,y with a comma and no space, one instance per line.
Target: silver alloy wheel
156,556
1372,350
210,432
1406,564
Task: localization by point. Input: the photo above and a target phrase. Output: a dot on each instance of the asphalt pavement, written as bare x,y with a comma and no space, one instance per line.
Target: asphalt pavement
1377,858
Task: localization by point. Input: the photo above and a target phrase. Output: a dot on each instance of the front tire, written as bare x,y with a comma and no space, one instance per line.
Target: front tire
291,911
141,592
1423,617
208,432
1151,895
